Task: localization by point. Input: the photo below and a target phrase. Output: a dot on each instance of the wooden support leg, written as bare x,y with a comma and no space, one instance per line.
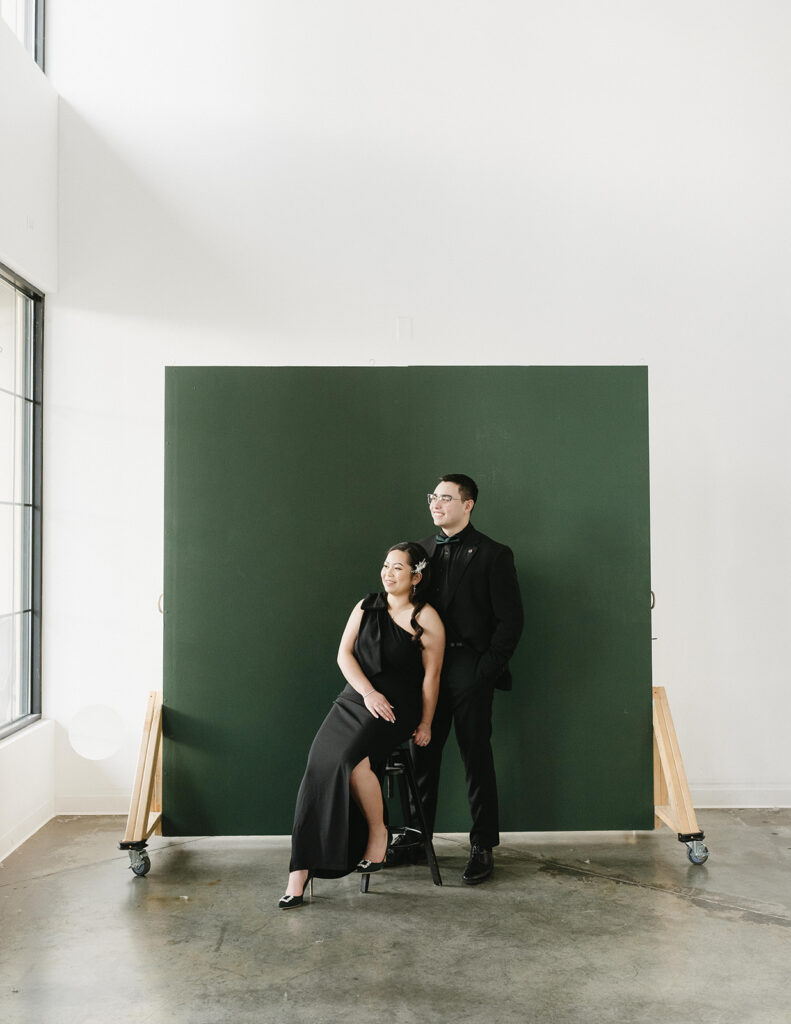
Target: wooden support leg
672,799
660,786
145,808
156,804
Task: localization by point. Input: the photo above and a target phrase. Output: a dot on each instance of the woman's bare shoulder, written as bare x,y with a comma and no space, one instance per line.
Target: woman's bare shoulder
428,616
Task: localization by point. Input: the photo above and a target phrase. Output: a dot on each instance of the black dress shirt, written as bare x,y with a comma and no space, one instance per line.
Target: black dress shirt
442,570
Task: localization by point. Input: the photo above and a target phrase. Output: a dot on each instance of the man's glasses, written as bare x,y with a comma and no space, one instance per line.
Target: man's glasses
445,499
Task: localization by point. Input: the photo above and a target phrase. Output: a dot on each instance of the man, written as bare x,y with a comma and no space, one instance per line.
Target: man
475,590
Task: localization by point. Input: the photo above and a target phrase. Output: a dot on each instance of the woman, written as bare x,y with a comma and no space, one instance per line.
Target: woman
390,655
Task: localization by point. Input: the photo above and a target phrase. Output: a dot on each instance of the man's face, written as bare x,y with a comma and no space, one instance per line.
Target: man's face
449,512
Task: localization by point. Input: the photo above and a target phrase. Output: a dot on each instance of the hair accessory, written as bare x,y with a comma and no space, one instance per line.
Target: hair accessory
420,566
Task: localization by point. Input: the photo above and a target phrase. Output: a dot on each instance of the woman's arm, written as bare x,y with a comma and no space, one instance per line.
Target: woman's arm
376,702
433,640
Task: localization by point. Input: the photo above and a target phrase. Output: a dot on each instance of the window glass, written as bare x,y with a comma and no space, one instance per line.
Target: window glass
17,414
21,17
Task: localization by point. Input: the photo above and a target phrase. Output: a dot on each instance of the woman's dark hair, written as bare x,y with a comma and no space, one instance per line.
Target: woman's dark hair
416,554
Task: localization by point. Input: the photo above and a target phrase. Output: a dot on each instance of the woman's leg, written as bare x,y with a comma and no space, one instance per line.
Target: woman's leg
367,792
296,882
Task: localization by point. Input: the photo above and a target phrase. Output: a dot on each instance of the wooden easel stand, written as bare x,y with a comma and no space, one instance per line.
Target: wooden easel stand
672,799
145,809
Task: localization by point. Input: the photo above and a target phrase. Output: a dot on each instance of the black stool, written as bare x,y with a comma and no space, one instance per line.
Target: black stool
399,764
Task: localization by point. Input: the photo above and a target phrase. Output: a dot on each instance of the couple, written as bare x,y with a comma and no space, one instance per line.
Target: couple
424,654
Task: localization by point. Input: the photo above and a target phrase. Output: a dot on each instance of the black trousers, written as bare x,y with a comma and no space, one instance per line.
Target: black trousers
468,708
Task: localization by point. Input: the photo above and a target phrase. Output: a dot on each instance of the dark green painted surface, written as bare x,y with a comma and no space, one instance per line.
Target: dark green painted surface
284,487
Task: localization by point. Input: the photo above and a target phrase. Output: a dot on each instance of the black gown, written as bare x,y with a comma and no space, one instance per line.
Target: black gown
330,833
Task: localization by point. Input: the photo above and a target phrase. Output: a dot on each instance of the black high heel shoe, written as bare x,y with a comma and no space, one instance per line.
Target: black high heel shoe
287,902
365,867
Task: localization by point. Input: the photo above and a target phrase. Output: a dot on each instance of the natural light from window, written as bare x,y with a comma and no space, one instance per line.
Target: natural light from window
20,16
16,502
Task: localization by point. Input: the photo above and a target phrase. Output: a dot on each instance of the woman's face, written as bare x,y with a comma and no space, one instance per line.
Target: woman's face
397,573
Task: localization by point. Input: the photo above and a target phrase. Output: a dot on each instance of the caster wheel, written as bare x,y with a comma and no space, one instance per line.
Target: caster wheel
140,862
697,852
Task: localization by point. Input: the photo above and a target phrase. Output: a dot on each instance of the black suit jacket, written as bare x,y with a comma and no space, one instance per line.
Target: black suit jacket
485,606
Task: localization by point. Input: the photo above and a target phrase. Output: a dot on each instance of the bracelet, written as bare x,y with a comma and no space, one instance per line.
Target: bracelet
372,690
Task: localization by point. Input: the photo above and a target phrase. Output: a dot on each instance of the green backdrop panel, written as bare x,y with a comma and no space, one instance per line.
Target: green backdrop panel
283,488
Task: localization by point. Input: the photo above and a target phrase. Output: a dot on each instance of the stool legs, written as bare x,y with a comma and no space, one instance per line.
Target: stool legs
429,845
400,763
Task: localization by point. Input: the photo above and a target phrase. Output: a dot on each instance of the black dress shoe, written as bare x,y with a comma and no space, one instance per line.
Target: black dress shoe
398,850
405,848
479,866
397,857
365,867
289,902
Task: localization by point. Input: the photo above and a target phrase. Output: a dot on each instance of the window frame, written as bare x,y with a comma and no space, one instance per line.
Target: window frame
33,35
38,34
37,332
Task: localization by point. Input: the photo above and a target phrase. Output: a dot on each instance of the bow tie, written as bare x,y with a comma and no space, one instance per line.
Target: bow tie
442,539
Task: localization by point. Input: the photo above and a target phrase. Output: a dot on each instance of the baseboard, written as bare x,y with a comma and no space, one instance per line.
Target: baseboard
702,796
740,796
99,803
24,829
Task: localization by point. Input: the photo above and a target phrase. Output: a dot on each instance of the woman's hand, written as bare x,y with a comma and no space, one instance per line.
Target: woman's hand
422,735
379,705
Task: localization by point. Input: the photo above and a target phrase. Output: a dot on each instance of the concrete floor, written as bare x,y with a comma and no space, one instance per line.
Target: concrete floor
594,928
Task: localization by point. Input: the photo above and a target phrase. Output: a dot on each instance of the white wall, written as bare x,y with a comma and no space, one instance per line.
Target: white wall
531,183
28,246
28,166
27,792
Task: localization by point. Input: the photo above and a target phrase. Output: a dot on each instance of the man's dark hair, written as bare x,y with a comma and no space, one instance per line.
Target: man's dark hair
467,486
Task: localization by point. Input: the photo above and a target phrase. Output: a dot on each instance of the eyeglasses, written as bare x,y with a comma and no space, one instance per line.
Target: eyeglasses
446,499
